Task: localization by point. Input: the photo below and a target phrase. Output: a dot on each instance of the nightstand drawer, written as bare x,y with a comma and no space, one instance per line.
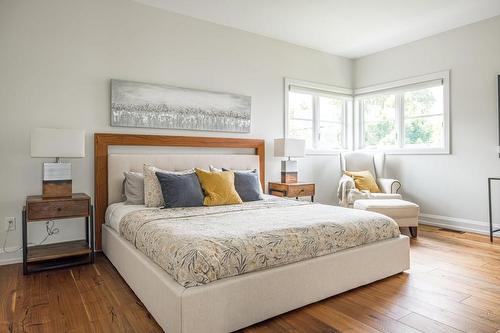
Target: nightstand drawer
277,193
57,209
300,190
292,190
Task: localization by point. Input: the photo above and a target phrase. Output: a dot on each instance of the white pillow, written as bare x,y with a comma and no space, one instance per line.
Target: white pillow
133,188
152,189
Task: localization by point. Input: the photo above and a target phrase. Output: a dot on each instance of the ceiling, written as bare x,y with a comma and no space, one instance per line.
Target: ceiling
350,28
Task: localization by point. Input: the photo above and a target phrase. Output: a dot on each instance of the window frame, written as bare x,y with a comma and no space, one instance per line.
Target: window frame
317,90
398,88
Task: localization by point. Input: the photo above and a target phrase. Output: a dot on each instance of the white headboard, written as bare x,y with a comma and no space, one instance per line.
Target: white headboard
120,163
103,142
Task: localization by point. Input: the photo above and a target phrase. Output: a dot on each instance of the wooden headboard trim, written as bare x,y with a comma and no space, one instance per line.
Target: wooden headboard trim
102,141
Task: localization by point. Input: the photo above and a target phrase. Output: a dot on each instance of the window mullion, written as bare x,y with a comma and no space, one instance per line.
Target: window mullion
349,125
361,124
400,119
316,121
343,144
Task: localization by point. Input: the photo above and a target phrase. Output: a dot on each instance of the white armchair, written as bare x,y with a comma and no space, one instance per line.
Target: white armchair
360,161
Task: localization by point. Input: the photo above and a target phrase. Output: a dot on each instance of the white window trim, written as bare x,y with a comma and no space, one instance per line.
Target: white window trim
348,125
401,84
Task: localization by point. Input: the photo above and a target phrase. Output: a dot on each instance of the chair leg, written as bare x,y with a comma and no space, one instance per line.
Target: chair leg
413,232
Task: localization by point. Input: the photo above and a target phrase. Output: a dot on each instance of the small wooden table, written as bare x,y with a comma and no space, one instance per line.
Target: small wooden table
57,255
292,190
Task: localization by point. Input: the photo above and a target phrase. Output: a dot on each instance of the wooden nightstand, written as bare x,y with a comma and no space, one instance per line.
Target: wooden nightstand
292,190
57,255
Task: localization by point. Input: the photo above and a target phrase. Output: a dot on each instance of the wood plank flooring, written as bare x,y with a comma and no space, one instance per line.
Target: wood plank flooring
453,286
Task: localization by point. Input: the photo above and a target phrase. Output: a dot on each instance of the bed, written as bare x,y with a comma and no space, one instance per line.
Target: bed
227,298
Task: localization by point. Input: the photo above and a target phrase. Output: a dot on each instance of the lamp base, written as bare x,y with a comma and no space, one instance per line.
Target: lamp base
57,180
289,171
57,188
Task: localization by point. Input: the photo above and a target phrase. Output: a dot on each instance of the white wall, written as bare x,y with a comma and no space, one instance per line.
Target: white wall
57,57
450,185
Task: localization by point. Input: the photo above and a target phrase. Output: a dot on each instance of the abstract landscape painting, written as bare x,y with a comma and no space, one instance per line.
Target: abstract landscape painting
137,104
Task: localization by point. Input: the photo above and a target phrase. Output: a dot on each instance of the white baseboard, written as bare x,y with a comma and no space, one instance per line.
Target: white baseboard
7,258
10,261
454,223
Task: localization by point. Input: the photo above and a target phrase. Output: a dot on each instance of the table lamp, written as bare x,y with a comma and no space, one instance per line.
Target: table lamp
289,148
57,143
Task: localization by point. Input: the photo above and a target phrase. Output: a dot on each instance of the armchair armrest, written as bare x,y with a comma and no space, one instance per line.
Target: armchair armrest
388,185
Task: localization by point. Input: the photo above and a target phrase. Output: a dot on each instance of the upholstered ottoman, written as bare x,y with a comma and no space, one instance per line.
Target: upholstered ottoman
405,213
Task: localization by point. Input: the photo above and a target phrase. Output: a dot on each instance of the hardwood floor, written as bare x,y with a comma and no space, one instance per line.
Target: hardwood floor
453,286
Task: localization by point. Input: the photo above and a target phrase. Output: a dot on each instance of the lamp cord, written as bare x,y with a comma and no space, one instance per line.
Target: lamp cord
50,229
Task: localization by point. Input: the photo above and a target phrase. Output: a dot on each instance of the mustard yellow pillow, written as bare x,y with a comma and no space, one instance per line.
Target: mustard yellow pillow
364,180
218,187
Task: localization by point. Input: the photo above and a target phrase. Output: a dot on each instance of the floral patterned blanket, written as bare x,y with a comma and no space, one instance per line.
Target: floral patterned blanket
203,244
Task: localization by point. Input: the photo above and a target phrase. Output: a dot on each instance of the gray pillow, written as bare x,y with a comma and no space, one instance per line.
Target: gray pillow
133,188
247,184
180,190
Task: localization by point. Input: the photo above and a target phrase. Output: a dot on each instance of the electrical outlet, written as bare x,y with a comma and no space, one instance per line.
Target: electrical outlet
10,223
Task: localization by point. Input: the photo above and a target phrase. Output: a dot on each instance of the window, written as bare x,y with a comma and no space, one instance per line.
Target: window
423,112
301,117
410,116
379,121
319,115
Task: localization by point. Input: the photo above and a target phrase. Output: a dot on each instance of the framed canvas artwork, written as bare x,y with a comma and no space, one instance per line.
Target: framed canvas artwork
137,104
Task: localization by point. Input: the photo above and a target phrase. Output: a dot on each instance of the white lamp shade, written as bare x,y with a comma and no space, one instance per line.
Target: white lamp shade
51,142
289,147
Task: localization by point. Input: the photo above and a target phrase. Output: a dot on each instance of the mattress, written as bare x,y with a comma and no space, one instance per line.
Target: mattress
115,212
199,245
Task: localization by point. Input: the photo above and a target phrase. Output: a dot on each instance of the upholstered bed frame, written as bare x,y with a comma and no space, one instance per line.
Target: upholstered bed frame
232,303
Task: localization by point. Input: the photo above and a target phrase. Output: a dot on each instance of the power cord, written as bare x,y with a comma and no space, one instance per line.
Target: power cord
49,227
51,231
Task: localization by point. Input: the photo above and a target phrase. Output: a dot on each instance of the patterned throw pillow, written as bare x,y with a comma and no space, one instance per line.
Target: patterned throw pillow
214,169
218,188
153,196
